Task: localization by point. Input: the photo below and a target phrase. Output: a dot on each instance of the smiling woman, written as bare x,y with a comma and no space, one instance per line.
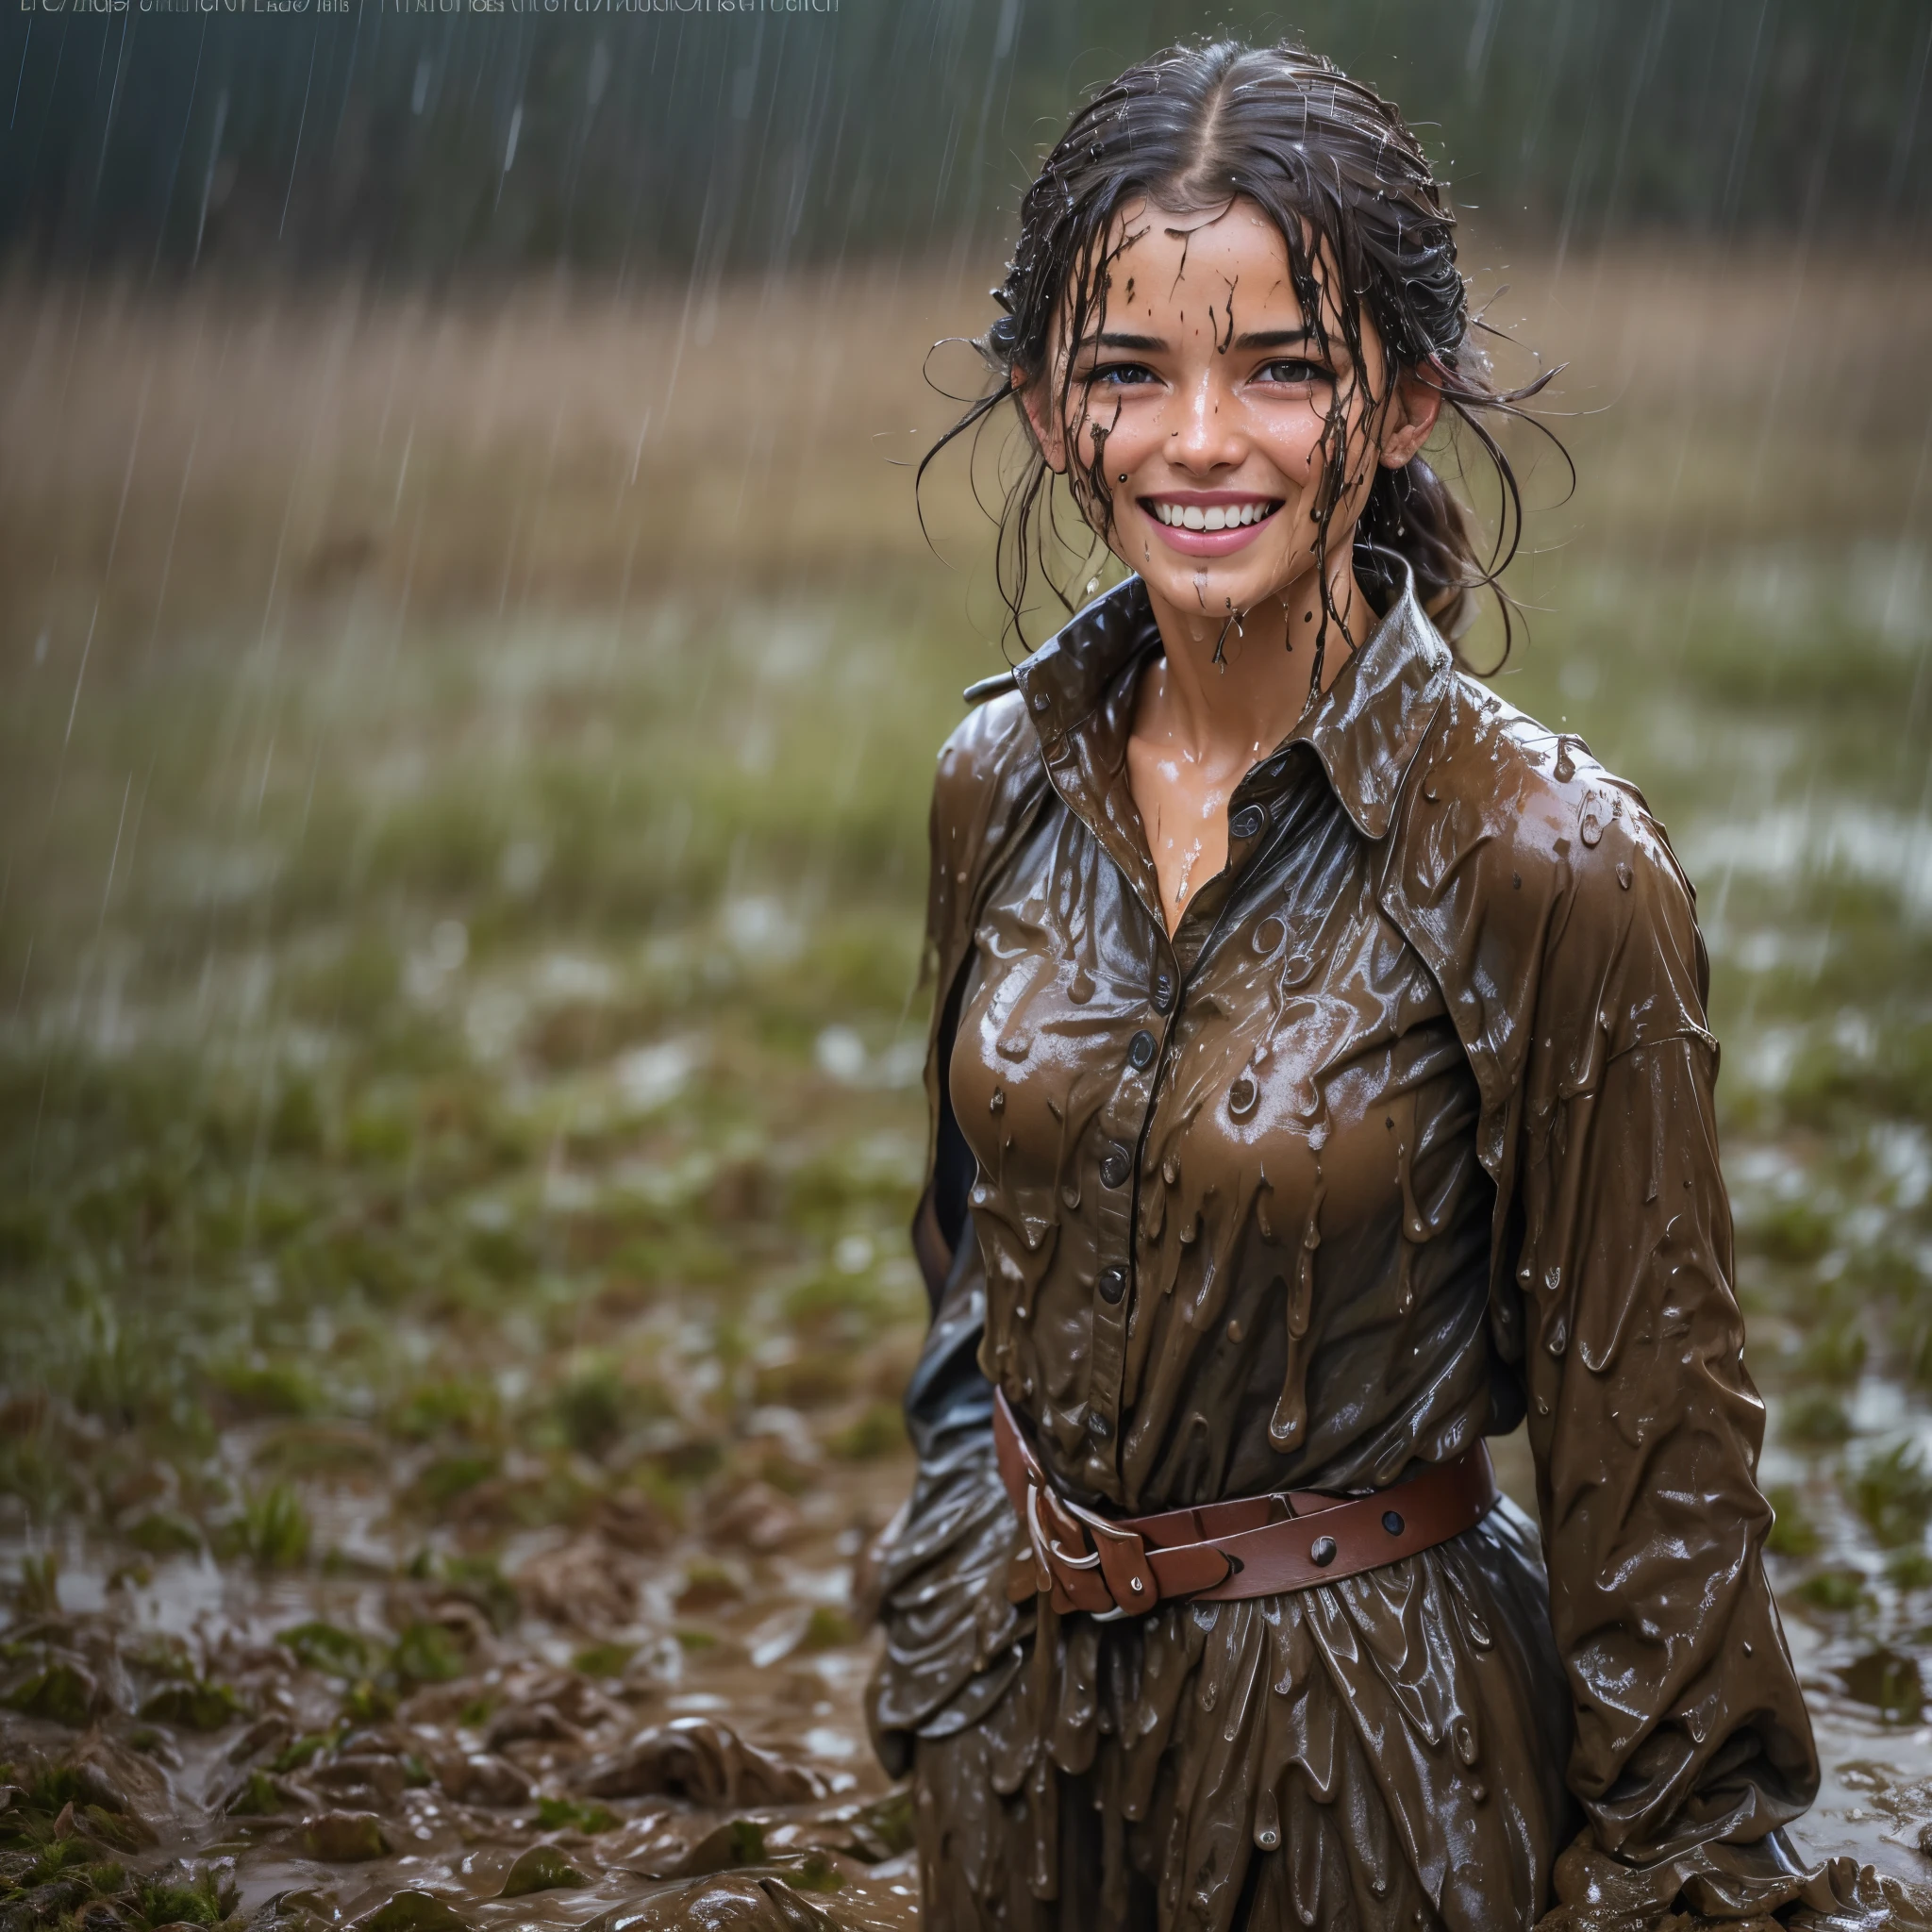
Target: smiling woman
1320,1084
1227,448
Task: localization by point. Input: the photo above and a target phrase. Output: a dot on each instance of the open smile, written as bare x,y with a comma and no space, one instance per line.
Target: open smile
1210,522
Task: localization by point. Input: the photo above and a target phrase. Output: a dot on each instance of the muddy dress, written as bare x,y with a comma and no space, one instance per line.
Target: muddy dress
1405,1138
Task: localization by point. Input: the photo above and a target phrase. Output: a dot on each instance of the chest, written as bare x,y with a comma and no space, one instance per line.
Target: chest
1271,1054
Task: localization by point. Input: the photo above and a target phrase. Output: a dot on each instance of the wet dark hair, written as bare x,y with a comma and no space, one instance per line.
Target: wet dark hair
1348,186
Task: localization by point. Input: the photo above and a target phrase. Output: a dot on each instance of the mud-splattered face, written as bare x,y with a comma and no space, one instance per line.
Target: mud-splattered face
1211,411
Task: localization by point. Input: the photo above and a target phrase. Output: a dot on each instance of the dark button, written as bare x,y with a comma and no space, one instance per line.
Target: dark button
1246,821
1391,1522
1115,1168
1164,992
1141,1048
1113,1284
1097,1425
1323,1551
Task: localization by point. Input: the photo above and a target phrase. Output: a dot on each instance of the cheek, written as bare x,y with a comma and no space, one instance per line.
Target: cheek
1131,435
1289,435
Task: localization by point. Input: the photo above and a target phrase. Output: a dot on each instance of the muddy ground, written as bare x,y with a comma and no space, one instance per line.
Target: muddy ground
459,1037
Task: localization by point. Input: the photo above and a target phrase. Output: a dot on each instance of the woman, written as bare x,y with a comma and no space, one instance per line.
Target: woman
1320,1084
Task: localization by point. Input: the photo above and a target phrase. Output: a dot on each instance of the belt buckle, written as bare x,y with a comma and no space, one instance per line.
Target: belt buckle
1050,1555
1130,1548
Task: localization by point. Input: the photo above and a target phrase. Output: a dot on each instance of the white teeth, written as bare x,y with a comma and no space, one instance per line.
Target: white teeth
1193,517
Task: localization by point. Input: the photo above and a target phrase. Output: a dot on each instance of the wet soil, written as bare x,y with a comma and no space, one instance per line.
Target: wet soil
459,1121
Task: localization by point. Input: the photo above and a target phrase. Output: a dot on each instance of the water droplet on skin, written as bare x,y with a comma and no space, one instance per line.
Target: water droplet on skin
1565,770
1593,828
1234,1331
1623,875
998,1101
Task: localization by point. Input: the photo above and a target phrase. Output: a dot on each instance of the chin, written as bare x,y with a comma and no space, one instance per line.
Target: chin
1181,581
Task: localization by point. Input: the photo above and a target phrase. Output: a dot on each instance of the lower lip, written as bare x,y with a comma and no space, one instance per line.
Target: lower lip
1209,543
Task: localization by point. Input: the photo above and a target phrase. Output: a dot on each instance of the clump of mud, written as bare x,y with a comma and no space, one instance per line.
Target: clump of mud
638,1738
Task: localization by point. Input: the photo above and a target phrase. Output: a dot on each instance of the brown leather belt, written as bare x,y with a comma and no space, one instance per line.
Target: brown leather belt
1250,1546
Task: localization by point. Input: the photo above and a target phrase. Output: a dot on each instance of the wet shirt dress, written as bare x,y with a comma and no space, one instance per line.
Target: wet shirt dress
1404,1137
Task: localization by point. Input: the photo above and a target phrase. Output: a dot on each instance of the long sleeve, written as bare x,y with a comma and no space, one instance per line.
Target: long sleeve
950,1631
1691,1744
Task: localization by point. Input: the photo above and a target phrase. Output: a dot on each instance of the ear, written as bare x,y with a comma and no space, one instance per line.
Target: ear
1037,400
1412,412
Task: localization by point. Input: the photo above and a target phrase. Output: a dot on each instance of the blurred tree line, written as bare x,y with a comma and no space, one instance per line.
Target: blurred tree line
417,144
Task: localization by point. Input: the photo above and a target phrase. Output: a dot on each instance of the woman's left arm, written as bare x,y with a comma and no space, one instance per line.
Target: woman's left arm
1692,1745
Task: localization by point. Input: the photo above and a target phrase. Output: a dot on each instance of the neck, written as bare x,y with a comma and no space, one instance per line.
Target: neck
1241,707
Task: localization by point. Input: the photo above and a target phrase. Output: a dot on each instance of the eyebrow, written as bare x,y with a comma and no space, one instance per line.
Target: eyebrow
1262,338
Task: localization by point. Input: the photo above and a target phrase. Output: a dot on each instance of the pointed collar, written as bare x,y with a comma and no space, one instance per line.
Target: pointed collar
1364,728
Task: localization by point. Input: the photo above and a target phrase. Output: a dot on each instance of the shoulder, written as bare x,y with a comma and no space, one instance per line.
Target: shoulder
983,747
1573,832
987,768
1543,880
988,776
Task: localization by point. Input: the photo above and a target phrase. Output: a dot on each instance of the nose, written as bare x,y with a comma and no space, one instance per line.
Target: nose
1207,436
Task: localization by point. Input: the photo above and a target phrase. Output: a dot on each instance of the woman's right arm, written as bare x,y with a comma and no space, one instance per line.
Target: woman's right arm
951,1633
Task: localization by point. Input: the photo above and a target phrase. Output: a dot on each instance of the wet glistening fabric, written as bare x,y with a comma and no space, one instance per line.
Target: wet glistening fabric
1405,1136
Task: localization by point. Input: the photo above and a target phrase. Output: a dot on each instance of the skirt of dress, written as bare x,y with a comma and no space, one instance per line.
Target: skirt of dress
1385,1751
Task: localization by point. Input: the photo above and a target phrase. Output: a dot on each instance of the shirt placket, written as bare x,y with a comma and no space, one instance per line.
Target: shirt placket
1123,1123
